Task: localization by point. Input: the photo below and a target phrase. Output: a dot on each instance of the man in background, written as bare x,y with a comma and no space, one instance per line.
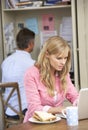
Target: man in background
15,65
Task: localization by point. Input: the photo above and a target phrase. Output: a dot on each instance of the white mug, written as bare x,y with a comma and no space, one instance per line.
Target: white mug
71,114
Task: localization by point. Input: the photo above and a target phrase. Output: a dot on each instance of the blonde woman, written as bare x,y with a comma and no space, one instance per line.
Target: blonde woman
48,82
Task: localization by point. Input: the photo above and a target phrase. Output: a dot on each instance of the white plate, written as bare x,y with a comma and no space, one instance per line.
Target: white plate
46,122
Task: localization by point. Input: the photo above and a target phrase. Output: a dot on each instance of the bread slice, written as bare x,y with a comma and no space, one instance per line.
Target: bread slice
43,116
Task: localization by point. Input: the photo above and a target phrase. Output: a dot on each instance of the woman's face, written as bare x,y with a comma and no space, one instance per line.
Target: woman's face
57,62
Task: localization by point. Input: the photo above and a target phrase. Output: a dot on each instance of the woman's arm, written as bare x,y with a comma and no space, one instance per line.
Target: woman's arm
55,110
72,94
32,94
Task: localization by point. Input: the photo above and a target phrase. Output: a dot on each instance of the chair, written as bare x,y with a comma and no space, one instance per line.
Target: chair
15,88
2,121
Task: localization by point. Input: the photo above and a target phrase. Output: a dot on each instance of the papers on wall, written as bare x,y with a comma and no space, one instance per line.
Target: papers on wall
72,61
66,33
48,28
47,22
9,38
66,28
46,34
32,24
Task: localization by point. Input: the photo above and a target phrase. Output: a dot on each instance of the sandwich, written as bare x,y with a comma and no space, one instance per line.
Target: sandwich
43,116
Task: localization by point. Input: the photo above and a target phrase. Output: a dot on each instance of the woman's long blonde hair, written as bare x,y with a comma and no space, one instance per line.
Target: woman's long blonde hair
54,45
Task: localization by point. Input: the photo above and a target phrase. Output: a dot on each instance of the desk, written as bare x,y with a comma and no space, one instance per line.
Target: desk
61,125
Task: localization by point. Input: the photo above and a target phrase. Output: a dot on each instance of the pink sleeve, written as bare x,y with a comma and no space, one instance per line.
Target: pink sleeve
32,94
72,94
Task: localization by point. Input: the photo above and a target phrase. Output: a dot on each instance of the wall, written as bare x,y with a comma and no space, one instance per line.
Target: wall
82,20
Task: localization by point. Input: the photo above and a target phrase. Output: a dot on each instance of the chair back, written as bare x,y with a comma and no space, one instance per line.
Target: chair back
14,88
2,121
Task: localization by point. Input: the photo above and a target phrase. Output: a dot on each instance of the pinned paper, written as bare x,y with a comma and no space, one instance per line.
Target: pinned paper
47,22
32,24
46,34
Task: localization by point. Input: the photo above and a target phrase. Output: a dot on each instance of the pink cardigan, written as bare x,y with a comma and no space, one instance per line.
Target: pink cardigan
37,96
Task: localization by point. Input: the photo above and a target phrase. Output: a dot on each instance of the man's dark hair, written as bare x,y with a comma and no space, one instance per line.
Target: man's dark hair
24,37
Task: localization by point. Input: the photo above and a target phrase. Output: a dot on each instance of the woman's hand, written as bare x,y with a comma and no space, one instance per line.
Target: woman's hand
56,110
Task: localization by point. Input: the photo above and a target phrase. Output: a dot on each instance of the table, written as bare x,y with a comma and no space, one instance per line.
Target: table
60,125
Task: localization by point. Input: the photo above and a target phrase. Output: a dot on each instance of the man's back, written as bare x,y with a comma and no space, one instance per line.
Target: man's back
15,65
13,69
